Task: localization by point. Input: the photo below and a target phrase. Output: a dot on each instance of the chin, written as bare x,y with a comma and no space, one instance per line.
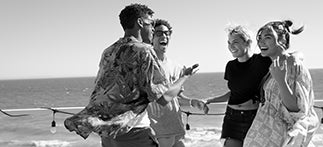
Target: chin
235,55
164,48
263,54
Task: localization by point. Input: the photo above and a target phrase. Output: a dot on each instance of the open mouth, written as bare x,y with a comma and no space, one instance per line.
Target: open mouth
263,48
233,51
163,43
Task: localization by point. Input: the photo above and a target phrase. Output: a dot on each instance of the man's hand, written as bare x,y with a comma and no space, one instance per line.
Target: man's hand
190,70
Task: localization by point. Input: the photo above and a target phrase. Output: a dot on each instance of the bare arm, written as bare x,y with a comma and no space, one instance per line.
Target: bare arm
176,87
222,98
173,91
183,99
196,103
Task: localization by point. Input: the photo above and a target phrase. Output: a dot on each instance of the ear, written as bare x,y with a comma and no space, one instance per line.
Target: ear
140,22
249,42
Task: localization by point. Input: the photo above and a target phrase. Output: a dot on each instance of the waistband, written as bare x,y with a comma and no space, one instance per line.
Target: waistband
234,111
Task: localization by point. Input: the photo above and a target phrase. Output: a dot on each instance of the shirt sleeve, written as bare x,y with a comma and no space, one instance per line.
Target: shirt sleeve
153,80
226,72
300,82
102,69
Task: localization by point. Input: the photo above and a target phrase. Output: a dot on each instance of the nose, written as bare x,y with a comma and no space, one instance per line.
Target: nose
231,46
260,42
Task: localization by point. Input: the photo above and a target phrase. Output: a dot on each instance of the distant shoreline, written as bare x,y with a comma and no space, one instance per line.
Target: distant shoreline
75,77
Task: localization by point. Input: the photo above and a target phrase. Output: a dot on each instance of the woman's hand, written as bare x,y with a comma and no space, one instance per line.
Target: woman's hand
278,70
200,105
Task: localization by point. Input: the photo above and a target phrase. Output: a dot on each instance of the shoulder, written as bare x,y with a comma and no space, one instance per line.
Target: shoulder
144,50
295,58
295,62
262,59
231,62
133,43
140,46
175,63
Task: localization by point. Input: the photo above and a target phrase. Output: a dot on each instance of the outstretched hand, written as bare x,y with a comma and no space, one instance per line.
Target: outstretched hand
200,105
190,70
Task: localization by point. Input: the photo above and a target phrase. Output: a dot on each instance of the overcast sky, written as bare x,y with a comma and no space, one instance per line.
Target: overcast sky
65,38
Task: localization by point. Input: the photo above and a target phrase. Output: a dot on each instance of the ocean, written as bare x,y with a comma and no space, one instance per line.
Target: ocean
34,130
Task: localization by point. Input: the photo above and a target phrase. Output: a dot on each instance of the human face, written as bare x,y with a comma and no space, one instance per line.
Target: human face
237,46
268,43
161,39
148,29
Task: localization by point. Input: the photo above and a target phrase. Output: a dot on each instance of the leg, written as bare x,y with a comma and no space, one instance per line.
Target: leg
230,142
179,141
137,137
166,141
107,142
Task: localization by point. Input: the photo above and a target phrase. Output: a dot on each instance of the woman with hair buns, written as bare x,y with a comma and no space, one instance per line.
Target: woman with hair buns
287,118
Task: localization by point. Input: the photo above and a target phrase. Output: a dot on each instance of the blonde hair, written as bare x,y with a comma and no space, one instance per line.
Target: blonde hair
240,30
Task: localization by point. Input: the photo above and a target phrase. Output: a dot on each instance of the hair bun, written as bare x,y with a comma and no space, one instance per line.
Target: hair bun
288,23
295,32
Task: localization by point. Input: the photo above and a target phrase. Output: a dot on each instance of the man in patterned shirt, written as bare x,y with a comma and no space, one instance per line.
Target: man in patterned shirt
128,79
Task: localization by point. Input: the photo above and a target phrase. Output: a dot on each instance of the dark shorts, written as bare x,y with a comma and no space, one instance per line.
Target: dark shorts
137,137
236,123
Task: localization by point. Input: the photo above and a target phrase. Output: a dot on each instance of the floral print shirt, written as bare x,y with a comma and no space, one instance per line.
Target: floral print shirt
128,79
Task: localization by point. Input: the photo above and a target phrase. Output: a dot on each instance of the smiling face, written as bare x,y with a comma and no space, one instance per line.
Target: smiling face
238,47
161,39
268,44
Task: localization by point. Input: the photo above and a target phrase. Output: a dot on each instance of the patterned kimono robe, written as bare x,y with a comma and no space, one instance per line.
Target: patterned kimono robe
274,125
128,79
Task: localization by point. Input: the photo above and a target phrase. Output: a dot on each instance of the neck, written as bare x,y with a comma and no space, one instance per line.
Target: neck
279,53
161,56
134,33
281,57
246,57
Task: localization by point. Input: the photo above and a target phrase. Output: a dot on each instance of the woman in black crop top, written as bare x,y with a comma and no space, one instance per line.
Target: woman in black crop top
244,75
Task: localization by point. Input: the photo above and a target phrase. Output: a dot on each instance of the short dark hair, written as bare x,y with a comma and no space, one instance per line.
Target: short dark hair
129,15
159,22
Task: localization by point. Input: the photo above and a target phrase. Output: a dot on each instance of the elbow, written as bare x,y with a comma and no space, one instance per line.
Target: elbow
292,108
162,101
